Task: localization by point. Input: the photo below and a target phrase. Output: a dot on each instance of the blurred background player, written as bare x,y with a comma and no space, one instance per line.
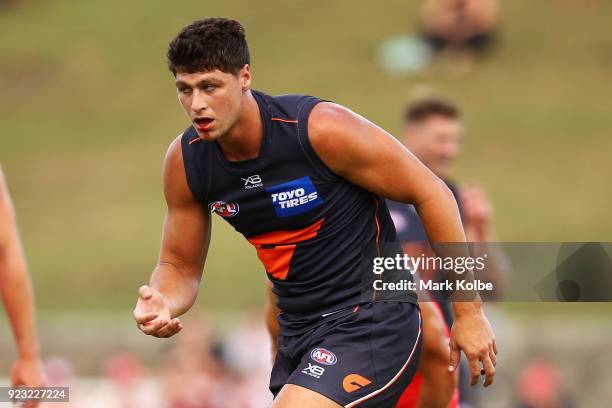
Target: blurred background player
18,297
432,131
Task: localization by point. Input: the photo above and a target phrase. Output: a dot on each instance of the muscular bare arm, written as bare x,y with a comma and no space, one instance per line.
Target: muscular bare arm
174,282
367,156
17,294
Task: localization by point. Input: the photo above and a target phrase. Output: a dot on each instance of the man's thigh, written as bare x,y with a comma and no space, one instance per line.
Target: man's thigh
295,396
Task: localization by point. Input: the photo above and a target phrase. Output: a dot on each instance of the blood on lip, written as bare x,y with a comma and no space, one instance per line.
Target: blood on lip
203,123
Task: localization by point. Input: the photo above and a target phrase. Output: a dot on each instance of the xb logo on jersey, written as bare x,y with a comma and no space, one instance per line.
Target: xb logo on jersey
314,371
252,181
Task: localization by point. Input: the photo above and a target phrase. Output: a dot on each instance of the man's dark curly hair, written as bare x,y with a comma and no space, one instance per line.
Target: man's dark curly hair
424,108
209,44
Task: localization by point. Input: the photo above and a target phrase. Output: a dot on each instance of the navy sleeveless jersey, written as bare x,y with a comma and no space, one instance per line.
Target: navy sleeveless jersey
307,224
407,221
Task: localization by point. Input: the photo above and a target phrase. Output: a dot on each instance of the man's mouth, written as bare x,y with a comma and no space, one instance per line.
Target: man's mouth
203,124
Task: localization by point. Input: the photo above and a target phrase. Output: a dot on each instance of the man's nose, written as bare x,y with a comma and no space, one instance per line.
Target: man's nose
198,102
450,150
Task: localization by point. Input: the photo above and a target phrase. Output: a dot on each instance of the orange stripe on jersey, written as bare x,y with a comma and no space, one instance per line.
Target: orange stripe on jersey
275,249
277,259
376,221
287,237
194,140
285,120
377,238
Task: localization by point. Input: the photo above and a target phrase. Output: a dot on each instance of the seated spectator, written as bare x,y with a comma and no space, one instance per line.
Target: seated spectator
460,24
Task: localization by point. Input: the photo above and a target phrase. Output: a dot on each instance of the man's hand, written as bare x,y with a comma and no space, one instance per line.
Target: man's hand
28,372
472,333
477,211
152,314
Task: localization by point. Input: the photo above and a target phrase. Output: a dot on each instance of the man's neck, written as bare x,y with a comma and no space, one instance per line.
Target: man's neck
243,140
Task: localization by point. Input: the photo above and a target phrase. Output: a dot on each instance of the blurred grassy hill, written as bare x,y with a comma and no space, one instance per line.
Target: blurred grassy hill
88,108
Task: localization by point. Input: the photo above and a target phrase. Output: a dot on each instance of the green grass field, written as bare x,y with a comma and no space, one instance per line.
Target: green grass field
88,108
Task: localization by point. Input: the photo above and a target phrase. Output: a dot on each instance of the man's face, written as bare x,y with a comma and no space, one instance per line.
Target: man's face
436,141
212,99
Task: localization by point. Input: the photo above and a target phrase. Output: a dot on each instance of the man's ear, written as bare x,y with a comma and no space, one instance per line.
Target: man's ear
245,78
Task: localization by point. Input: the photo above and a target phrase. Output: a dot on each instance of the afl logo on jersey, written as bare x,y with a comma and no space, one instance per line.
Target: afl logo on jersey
323,356
224,209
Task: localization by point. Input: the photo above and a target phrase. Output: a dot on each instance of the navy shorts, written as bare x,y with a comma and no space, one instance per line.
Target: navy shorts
364,357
